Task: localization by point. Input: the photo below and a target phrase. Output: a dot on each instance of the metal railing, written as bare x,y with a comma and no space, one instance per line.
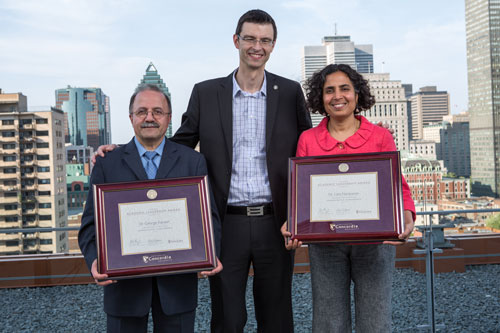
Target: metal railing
428,248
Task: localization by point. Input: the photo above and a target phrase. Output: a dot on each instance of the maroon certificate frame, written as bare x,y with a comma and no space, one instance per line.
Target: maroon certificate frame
154,227
345,198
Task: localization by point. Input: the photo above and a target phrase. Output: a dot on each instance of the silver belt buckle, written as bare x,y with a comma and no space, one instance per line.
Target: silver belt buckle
255,211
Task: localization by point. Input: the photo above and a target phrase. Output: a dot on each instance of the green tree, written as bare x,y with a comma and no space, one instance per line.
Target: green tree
494,221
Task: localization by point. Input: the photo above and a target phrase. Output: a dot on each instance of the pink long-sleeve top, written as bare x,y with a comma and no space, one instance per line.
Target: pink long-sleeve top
369,138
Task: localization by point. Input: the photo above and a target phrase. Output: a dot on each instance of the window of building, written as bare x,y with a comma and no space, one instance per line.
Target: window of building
8,122
11,219
42,157
42,121
42,145
42,133
9,146
43,181
45,205
44,241
9,170
9,158
43,193
10,207
14,242
43,169
45,217
8,134
26,121
10,194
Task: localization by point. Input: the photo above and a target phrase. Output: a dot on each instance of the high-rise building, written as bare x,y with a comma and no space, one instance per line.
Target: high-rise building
390,106
152,77
335,50
428,106
454,144
32,177
482,30
87,116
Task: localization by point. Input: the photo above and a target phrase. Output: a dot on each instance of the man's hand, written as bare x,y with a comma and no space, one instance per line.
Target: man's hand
381,124
213,271
409,224
101,151
289,244
100,279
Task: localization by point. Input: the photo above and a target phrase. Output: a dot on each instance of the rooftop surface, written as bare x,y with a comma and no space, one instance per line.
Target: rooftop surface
465,302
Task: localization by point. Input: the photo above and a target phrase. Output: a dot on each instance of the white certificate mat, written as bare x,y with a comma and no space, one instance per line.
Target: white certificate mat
344,197
154,226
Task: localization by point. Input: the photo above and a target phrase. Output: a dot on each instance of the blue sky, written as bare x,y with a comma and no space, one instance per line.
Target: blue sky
46,45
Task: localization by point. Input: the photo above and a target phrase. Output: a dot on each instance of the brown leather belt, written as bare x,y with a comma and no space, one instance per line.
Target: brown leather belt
261,210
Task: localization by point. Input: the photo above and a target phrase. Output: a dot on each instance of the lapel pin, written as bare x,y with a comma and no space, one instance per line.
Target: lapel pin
275,87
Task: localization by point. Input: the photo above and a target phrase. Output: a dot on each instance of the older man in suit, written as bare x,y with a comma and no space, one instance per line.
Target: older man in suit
149,155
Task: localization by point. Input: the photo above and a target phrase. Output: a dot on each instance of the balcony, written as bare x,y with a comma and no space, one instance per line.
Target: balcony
10,199
26,139
6,188
28,186
28,199
8,139
26,126
28,150
28,163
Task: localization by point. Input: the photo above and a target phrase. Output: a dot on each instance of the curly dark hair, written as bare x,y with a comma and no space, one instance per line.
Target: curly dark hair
314,89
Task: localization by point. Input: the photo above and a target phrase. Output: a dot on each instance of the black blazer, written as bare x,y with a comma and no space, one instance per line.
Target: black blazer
132,297
209,121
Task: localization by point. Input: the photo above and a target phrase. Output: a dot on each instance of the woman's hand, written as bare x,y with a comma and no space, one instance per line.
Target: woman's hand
409,224
289,244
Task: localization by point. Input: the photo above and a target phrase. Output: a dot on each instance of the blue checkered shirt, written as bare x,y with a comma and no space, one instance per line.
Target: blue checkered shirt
249,177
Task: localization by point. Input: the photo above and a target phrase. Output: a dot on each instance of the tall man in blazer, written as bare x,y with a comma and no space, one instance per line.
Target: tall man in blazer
247,125
172,298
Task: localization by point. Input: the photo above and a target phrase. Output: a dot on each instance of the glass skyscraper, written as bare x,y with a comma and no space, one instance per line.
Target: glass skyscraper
482,23
152,77
86,116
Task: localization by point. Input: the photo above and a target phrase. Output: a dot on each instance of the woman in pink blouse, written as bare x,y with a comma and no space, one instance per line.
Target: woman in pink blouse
340,93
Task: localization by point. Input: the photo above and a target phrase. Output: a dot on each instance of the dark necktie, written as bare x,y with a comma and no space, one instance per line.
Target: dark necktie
150,166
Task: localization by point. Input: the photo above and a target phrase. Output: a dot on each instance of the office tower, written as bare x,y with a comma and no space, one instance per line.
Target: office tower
423,148
335,50
482,30
152,77
454,145
32,177
87,116
428,106
390,106
408,92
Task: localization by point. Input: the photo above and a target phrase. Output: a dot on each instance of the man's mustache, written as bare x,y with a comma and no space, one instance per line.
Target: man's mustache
149,125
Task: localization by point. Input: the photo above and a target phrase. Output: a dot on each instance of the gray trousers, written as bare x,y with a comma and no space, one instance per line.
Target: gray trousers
370,267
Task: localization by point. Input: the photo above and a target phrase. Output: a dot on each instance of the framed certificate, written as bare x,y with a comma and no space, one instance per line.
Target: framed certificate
154,227
345,198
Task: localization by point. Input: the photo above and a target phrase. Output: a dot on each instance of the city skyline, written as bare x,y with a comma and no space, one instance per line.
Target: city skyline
108,45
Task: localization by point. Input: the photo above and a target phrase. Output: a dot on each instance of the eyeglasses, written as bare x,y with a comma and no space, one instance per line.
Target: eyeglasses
253,41
156,113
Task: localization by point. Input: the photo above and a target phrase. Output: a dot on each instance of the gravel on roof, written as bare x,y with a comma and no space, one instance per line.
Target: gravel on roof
465,302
